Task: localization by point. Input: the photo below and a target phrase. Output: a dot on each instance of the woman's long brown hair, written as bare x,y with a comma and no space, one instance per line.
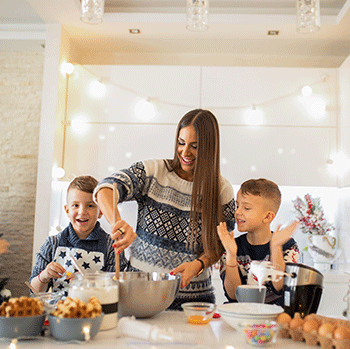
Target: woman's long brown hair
205,203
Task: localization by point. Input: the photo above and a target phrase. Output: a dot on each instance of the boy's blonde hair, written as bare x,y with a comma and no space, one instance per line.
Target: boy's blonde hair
83,183
264,188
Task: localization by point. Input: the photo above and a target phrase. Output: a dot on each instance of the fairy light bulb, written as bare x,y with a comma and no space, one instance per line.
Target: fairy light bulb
86,331
58,172
306,91
145,109
80,125
338,164
67,68
253,116
13,344
97,89
316,107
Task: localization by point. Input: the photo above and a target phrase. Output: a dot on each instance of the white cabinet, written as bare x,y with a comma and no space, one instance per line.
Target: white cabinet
335,287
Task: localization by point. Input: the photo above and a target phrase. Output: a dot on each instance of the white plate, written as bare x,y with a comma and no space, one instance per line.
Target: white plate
254,309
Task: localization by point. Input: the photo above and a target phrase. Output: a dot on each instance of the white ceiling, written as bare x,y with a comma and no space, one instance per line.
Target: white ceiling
236,28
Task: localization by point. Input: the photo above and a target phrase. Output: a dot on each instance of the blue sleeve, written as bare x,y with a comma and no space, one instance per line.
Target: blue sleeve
44,257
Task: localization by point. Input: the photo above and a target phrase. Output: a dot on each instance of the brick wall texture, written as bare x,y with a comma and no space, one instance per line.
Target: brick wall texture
21,75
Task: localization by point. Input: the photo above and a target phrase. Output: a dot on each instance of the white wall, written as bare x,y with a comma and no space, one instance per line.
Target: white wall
291,147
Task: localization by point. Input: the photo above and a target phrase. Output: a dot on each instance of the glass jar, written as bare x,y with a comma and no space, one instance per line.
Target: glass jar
104,288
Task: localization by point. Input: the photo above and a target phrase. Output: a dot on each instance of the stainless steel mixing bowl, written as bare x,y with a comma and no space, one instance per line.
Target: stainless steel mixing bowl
146,294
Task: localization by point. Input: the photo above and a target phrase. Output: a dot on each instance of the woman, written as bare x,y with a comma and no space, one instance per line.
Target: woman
180,203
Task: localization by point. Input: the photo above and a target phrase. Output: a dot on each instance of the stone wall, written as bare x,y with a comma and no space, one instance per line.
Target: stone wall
21,76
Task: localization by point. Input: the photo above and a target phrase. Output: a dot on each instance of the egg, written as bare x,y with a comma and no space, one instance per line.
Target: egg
341,332
310,325
297,321
312,317
326,329
283,318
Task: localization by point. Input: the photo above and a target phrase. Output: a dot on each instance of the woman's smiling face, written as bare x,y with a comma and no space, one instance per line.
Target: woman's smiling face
187,152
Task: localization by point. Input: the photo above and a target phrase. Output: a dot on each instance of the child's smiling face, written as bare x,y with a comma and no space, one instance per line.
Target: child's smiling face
82,212
250,212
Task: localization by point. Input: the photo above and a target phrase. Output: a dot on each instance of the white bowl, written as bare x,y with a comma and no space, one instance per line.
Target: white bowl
258,309
234,313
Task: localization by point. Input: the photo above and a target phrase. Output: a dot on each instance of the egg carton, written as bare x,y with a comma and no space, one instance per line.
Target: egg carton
313,338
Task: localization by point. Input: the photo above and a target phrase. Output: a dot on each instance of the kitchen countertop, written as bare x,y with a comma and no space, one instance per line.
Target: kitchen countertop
217,334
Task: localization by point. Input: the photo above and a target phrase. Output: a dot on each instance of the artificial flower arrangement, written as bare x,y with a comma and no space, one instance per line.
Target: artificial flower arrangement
310,215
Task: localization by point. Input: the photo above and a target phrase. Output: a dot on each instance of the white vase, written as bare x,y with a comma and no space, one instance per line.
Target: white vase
322,250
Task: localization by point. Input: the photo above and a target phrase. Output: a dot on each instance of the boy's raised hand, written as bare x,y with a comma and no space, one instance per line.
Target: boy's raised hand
280,237
227,239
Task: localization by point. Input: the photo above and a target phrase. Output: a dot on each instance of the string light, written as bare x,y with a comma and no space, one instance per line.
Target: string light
97,89
13,344
338,164
315,106
79,125
306,91
58,172
253,116
67,68
145,109
86,331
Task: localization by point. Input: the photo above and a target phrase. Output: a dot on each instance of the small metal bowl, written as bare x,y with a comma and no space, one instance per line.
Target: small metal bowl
146,294
199,313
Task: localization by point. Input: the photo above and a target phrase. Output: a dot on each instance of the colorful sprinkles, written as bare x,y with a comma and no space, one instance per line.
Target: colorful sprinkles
261,334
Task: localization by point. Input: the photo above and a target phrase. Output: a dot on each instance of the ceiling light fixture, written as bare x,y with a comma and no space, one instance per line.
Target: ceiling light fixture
92,11
308,16
197,15
134,31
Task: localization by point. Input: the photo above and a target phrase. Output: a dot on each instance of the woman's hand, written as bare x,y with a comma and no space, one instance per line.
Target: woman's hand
123,234
187,270
52,271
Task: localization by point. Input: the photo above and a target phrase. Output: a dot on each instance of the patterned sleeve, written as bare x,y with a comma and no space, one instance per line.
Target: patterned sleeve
44,257
229,214
228,203
130,182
